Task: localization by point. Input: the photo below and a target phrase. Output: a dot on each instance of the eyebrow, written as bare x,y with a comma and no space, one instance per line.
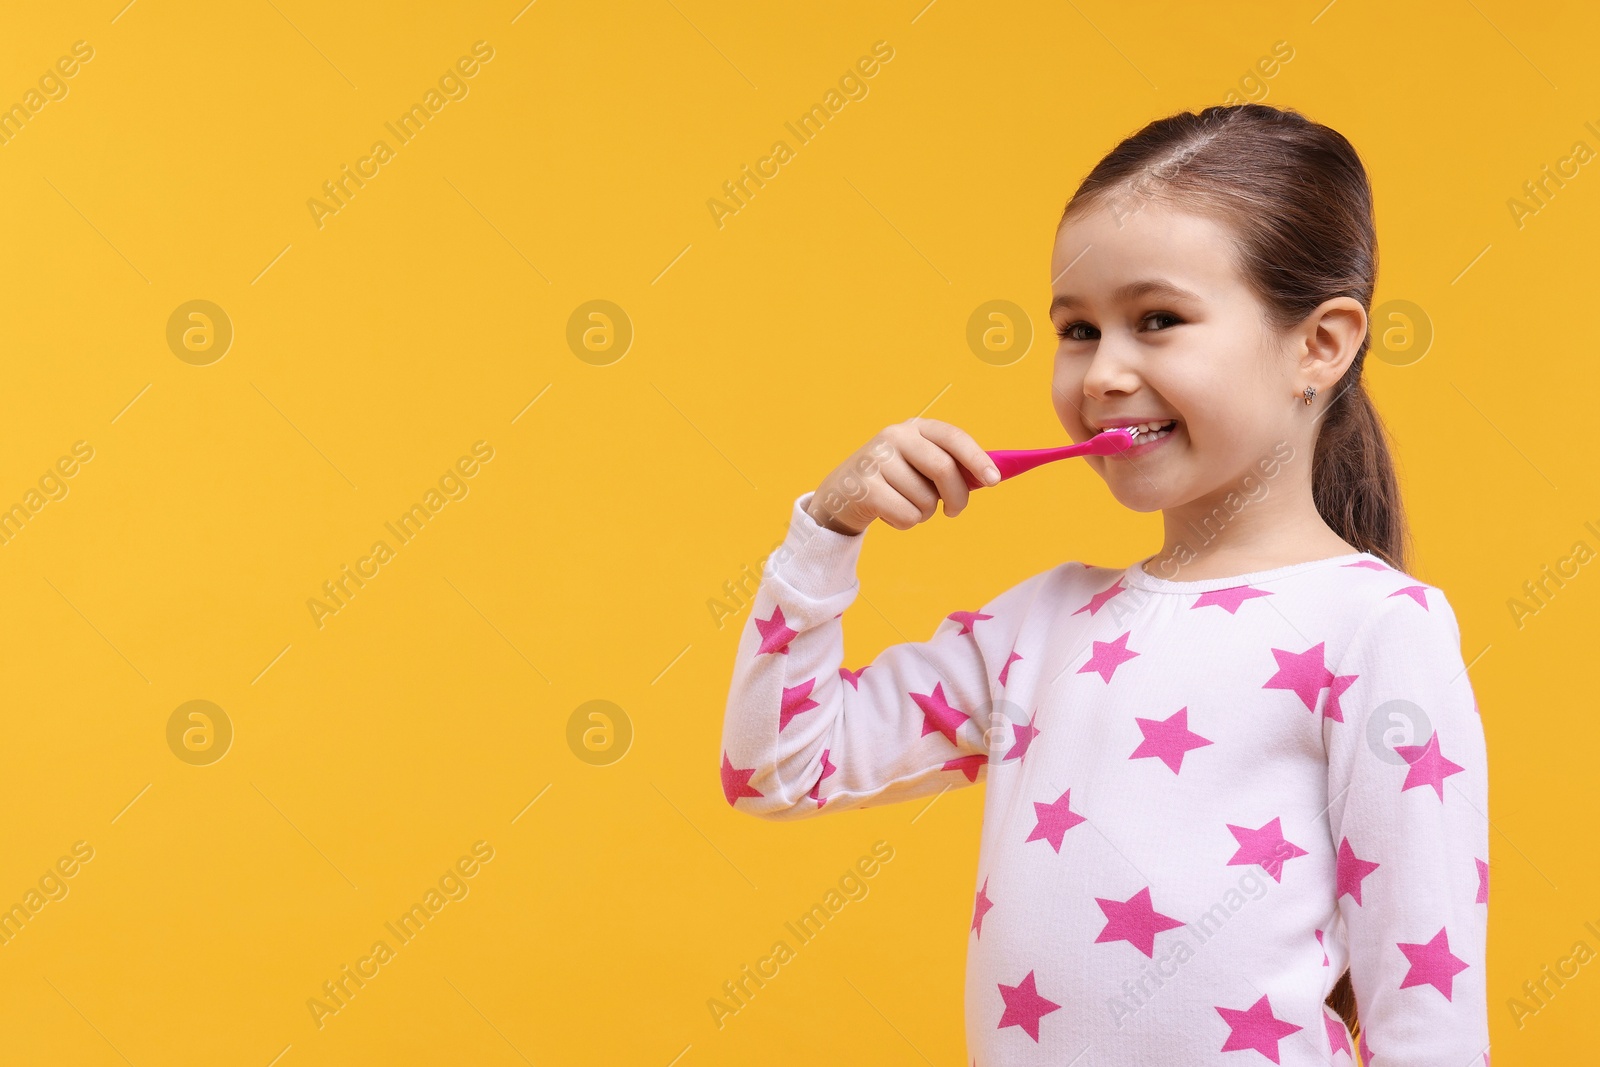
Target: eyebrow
1131,291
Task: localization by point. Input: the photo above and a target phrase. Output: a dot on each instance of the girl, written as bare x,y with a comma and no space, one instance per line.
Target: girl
1237,790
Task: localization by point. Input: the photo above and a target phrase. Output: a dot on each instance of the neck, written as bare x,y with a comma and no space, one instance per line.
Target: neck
1251,525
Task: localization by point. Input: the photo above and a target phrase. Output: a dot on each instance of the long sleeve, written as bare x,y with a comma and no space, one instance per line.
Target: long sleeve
1408,792
803,734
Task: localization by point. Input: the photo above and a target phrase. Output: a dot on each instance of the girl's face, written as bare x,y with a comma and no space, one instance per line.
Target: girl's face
1156,324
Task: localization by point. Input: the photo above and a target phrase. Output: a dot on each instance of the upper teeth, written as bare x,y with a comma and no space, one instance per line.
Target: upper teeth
1148,427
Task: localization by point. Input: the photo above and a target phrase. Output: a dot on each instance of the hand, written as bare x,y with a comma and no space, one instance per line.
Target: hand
900,476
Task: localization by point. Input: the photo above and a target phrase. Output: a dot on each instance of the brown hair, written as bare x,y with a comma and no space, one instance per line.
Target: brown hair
1297,198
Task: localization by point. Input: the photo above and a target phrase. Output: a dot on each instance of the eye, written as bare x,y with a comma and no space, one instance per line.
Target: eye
1068,331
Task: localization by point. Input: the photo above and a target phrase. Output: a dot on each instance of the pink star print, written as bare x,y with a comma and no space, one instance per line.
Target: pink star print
1024,1006
1053,820
1007,668
1108,656
1228,599
827,769
1432,964
967,618
1255,1028
775,633
1483,882
1419,593
1366,1049
1135,921
981,907
1098,601
796,699
1168,739
1265,846
1351,870
1332,710
1304,672
1428,765
967,765
1324,948
1022,735
736,782
937,714
1338,1036
1369,564
853,677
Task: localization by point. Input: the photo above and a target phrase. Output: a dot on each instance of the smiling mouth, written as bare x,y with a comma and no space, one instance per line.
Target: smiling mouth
1145,432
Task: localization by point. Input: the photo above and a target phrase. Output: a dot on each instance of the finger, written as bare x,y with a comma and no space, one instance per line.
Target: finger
894,509
942,469
960,444
918,493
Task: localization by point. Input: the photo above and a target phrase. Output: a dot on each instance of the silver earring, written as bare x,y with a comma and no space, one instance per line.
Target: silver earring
1311,391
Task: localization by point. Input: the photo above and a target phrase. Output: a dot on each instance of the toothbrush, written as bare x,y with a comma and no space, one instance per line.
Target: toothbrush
1012,462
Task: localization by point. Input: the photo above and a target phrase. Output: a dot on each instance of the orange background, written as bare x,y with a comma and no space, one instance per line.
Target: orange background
434,709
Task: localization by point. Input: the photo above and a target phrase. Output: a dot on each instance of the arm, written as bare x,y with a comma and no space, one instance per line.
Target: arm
1409,793
802,735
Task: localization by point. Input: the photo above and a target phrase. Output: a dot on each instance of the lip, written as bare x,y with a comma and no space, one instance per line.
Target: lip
1111,424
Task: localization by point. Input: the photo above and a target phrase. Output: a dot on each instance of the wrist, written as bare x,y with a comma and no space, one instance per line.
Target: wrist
827,521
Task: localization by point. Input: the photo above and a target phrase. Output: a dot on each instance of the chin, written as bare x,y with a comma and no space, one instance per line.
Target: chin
1146,501
1133,492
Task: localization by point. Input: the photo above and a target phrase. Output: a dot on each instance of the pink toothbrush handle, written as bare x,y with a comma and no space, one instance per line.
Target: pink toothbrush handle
1012,462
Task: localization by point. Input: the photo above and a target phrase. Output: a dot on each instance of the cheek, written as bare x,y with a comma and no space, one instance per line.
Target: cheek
1066,386
1208,415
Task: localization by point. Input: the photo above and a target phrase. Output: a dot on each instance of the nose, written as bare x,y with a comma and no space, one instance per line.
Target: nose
1111,370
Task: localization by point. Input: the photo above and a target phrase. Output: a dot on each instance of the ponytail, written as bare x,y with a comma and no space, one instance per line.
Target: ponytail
1353,478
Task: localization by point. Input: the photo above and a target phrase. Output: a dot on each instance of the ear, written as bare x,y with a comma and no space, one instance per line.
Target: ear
1331,335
